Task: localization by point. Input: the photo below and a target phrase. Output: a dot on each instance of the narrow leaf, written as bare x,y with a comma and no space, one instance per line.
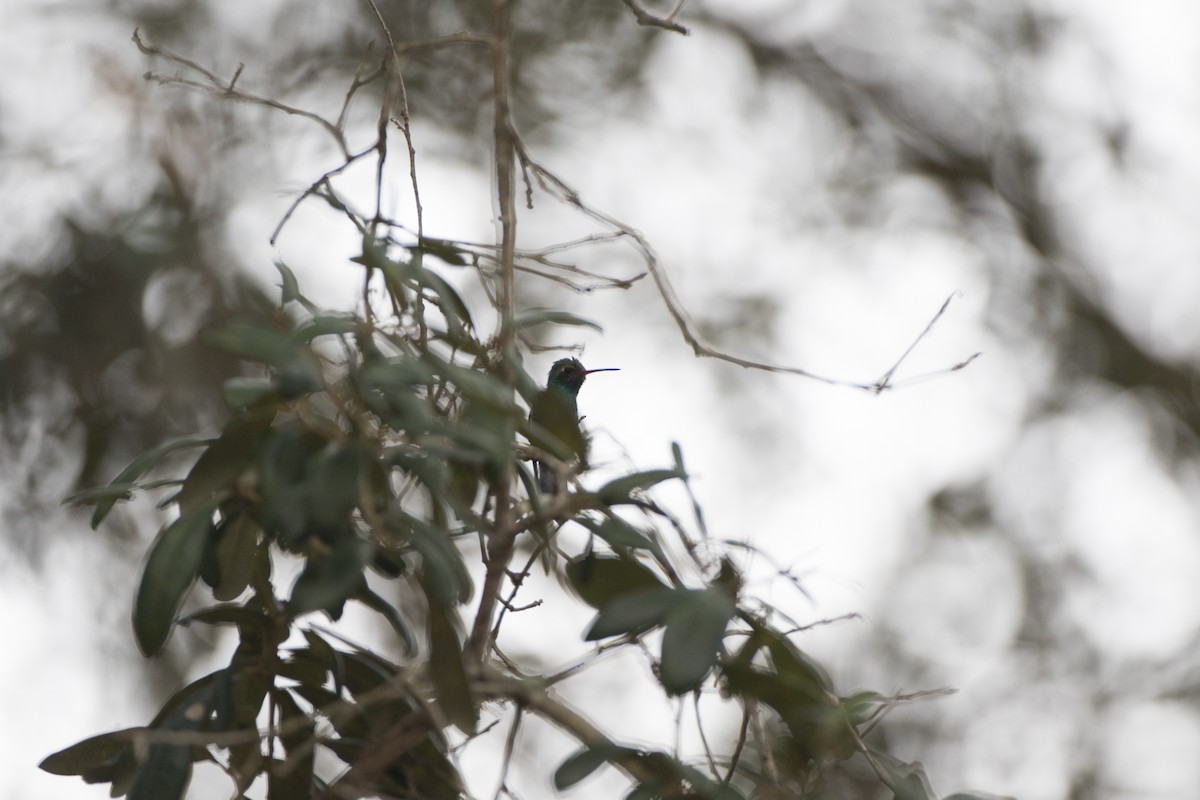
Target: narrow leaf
584,762
126,480
907,781
619,533
328,581
164,775
242,393
449,673
88,755
621,489
376,603
633,613
598,580
170,569
539,316
695,628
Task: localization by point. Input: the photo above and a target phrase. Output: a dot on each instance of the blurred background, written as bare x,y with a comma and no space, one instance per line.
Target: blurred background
817,178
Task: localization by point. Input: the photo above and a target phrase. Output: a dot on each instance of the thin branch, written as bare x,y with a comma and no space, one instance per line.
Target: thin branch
649,20
509,746
712,764
885,381
315,187
215,85
760,739
743,731
499,549
506,604
361,79
555,186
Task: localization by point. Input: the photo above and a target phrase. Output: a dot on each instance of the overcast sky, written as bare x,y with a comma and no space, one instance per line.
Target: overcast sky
830,481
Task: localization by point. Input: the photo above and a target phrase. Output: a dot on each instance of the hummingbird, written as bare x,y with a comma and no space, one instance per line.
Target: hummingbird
555,410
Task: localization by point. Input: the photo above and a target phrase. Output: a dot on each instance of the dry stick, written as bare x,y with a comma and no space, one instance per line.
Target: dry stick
498,551
675,11
712,764
217,86
400,738
509,745
739,747
314,187
405,120
360,79
556,186
506,604
644,17
394,82
886,379
540,701
760,738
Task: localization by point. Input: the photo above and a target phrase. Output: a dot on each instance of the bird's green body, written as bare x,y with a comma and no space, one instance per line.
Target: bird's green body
555,411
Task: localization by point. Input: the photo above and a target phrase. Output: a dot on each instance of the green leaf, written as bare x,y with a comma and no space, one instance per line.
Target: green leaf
907,781
247,617
89,755
166,770
695,629
295,780
633,613
164,775
619,533
254,339
223,462
444,575
326,325
475,384
677,454
126,480
283,471
236,548
584,762
170,569
288,285
446,250
598,580
376,603
242,393
332,478
458,318
621,490
539,316
861,706
328,581
645,791
449,673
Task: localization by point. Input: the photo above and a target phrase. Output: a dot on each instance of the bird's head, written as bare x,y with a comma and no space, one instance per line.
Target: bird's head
568,374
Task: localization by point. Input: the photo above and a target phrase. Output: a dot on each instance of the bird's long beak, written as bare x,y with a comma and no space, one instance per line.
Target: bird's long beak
605,369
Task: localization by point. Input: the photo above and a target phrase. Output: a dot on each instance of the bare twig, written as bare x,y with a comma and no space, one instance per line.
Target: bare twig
885,381
708,754
743,731
509,746
213,84
315,187
555,186
499,549
649,20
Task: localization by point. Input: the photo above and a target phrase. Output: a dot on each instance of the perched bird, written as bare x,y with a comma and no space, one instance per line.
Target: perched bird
555,412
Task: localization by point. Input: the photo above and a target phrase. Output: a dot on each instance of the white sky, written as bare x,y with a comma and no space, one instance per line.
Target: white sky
828,480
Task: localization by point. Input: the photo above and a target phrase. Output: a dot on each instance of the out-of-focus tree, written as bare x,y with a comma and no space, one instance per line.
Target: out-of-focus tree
376,450
937,114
